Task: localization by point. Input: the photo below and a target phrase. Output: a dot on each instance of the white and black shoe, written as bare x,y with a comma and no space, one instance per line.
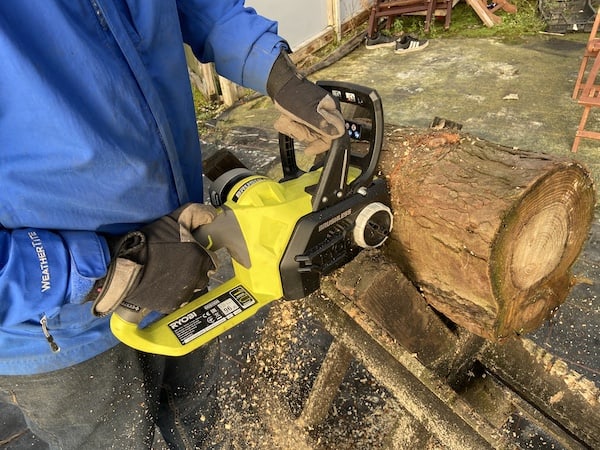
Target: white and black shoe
408,44
380,41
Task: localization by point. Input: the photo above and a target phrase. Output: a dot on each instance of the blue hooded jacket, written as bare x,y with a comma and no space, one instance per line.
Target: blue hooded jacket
98,135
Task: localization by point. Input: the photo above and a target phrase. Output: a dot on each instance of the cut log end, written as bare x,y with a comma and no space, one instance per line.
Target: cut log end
538,243
539,246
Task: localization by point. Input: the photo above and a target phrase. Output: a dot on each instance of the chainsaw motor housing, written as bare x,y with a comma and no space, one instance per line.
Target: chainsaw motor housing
325,240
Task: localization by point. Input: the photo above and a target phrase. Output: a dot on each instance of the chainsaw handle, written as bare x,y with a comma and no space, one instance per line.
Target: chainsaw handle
224,232
369,101
332,186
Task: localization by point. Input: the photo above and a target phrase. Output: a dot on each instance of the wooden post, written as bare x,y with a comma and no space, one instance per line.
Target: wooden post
229,91
326,386
208,77
334,18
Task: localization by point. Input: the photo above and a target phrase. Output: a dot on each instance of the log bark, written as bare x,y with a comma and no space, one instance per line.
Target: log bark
487,233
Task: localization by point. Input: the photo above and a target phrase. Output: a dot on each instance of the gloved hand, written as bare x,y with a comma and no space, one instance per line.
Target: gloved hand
157,268
310,114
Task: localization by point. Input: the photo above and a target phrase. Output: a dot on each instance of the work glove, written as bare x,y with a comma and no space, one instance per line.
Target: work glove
309,113
157,268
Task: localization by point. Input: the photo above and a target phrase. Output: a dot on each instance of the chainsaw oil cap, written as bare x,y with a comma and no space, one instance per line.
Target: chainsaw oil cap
373,225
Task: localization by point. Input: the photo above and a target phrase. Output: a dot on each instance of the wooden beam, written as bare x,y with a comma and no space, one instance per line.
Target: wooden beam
488,18
442,413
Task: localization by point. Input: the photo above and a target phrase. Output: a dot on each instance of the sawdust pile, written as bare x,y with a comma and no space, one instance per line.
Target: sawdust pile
275,369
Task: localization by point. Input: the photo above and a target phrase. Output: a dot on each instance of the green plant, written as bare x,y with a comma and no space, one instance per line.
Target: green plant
466,23
206,109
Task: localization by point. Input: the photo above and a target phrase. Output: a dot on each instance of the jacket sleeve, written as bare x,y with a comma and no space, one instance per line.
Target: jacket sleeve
242,44
41,270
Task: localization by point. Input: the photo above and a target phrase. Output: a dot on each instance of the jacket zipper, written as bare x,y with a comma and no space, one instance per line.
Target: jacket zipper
53,345
99,14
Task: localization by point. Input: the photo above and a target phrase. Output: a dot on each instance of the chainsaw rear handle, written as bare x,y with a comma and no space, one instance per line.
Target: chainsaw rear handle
224,232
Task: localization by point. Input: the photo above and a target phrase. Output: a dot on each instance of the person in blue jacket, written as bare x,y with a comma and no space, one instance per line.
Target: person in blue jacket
100,175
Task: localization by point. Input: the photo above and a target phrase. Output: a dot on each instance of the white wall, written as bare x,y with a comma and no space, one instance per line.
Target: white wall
350,8
299,21
303,20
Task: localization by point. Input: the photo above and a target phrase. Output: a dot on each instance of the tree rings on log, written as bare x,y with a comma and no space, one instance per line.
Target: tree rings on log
487,233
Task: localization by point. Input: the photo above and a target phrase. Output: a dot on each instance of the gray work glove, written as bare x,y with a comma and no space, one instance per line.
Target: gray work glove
156,268
310,114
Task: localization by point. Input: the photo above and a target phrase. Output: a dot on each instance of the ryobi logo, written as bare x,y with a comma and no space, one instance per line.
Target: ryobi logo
183,320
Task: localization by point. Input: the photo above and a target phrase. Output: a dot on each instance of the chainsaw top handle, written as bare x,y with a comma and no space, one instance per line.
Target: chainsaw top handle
363,112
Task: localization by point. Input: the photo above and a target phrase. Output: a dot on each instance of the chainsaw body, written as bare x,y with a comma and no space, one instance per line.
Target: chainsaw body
282,235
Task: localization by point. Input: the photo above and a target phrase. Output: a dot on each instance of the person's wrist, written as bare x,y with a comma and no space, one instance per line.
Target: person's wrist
95,291
282,72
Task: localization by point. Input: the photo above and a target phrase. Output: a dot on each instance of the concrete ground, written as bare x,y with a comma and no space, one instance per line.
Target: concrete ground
517,94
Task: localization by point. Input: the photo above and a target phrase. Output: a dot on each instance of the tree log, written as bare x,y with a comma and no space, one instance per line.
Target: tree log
487,233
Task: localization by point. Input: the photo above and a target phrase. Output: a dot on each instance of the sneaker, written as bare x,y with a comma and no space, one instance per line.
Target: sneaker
408,44
379,41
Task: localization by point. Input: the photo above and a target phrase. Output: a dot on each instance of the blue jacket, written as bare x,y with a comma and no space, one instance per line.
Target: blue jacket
98,135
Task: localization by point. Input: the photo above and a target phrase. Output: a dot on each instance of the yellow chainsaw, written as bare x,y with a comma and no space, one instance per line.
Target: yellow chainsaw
283,235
